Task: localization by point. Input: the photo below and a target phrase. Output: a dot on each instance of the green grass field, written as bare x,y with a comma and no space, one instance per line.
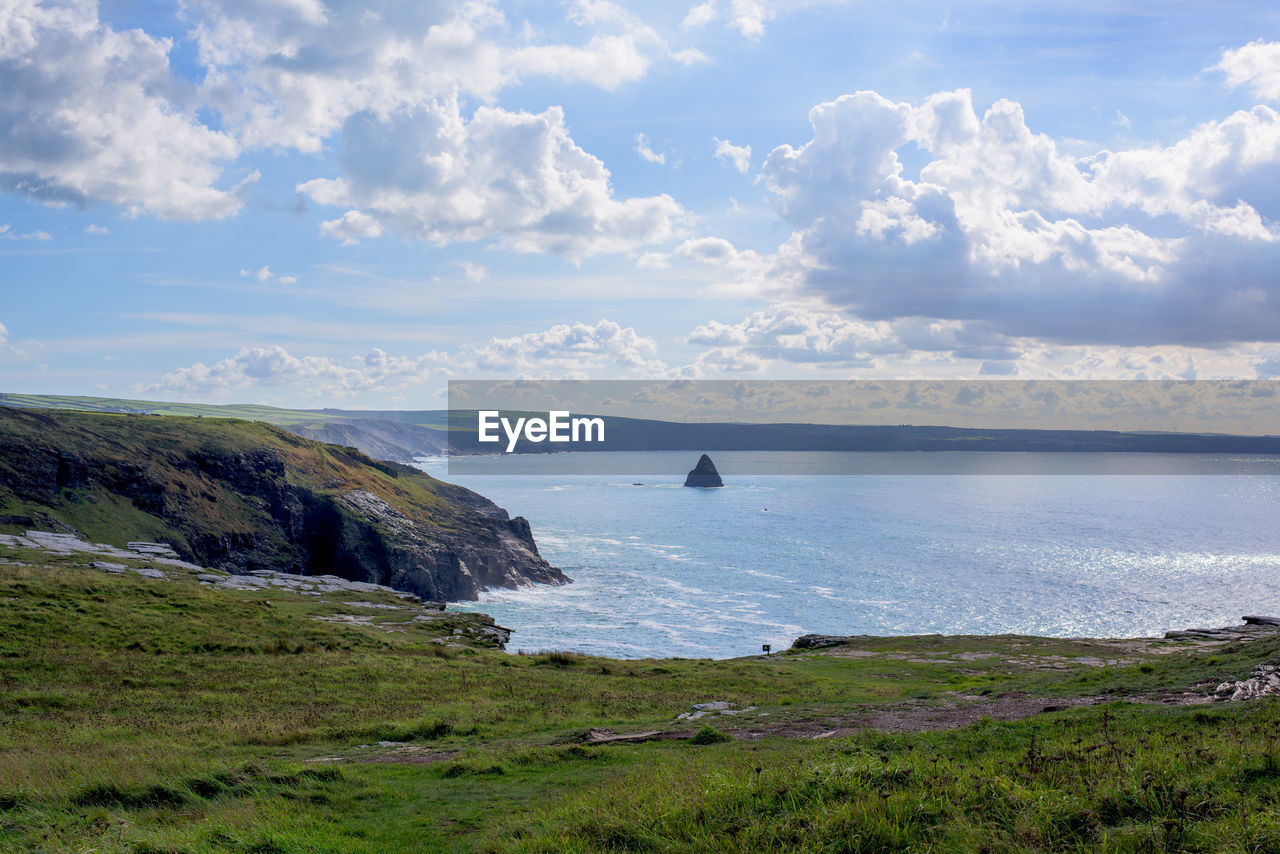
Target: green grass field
246,411
145,715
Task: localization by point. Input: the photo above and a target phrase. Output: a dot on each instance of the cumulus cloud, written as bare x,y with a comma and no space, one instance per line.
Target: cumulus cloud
808,339
795,335
1154,245
722,253
567,351
7,233
97,115
318,376
91,114
514,176
264,274
737,155
562,351
1256,65
285,75
748,17
351,227
98,230
653,261
647,153
700,15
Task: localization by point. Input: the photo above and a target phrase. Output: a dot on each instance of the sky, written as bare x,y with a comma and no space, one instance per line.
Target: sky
308,203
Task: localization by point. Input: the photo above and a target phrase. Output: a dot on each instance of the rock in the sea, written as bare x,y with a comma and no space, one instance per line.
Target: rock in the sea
704,474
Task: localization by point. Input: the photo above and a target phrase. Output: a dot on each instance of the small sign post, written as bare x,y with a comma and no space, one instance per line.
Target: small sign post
766,647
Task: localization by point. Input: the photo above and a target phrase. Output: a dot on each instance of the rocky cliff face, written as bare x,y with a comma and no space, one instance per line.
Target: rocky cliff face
243,496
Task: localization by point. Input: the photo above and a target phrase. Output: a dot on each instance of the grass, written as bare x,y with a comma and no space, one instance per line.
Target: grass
145,715
250,412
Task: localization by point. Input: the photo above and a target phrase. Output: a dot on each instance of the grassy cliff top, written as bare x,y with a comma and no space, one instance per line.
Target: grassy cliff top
247,411
178,453
144,715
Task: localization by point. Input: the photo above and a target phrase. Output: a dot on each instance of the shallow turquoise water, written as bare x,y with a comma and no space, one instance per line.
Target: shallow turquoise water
661,570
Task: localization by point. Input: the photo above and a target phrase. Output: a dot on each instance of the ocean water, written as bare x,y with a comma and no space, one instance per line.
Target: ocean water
660,570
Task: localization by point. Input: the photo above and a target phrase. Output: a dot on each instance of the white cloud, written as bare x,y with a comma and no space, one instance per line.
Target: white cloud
1151,245
474,272
562,351
807,335
653,261
264,274
1256,65
514,177
738,155
7,233
571,350
748,17
4,334
91,114
314,376
287,77
647,153
808,339
717,250
351,227
700,15
97,230
97,115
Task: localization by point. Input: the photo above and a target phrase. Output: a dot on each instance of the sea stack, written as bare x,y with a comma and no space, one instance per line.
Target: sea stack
704,474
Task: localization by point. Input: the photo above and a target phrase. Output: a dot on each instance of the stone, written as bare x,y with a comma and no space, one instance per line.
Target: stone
704,474
819,641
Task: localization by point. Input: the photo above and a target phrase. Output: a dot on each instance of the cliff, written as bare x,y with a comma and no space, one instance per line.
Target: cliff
244,496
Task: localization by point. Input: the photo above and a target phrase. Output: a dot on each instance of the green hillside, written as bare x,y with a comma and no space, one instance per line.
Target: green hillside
150,715
243,495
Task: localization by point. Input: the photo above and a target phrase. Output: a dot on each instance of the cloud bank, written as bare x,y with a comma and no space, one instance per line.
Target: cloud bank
1159,245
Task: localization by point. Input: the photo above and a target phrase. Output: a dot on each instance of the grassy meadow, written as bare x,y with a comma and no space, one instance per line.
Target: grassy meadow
162,715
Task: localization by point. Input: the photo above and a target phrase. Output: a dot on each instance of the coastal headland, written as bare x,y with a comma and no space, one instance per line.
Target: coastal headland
149,704
219,636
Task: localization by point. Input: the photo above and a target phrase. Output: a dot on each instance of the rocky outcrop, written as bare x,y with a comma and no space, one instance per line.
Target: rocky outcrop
704,474
823,641
378,438
246,497
1264,682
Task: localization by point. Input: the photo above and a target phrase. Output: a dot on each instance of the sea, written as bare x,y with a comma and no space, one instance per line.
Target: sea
1063,545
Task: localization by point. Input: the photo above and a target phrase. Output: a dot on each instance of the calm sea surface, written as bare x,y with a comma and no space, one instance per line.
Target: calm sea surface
661,570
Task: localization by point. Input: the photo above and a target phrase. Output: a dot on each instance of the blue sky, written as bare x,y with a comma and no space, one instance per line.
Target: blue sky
312,203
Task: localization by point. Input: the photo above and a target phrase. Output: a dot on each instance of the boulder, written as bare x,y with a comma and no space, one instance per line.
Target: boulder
820,641
704,474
